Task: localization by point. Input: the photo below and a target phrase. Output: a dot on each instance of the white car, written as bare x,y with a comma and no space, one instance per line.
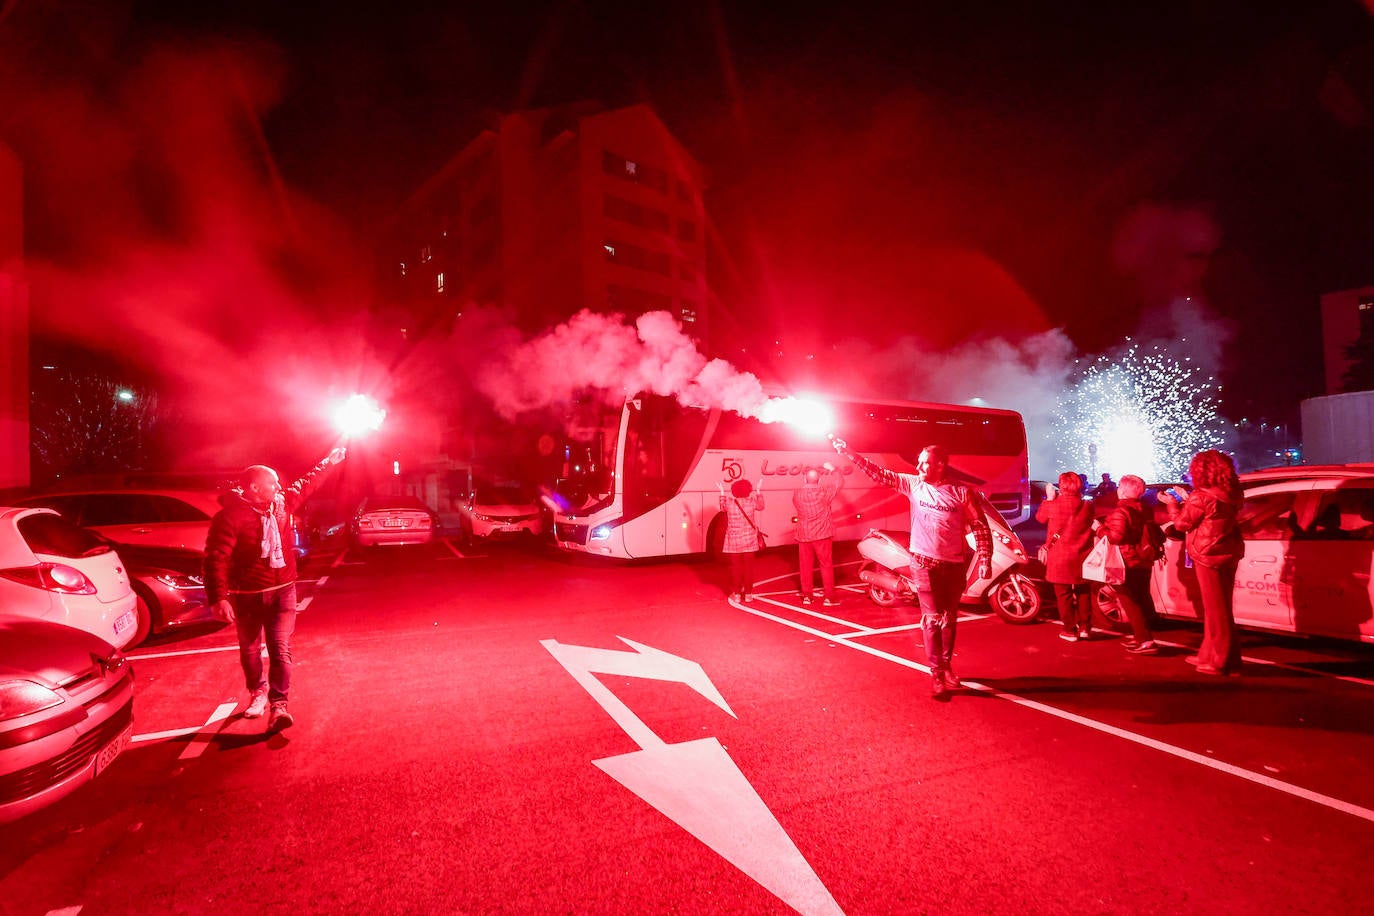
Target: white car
1309,554
394,520
501,510
51,569
66,711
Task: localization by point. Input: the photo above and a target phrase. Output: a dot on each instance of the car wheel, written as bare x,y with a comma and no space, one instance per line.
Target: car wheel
1016,599
143,609
1108,610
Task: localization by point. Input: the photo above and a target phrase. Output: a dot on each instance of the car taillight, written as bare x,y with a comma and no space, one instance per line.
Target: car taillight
52,577
426,522
364,523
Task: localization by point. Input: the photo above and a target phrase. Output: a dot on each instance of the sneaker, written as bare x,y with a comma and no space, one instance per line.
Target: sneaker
1193,660
1208,669
748,599
1085,633
806,600
257,705
951,679
280,718
831,602
1069,636
1142,648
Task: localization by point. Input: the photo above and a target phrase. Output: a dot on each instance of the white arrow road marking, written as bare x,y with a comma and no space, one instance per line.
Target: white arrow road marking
695,784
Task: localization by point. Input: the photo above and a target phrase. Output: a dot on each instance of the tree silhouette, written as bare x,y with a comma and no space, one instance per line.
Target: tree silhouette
84,423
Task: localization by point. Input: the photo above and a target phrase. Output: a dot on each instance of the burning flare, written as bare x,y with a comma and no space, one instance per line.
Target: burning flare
357,415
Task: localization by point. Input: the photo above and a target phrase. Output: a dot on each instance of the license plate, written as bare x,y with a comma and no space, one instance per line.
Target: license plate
393,523
112,750
125,621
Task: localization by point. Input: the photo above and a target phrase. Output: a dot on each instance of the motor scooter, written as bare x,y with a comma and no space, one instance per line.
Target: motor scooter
1013,595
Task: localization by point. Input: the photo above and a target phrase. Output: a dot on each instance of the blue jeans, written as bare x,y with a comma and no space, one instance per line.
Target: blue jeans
274,614
939,590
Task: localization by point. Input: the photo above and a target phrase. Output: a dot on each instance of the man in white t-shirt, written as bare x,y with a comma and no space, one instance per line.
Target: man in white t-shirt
941,512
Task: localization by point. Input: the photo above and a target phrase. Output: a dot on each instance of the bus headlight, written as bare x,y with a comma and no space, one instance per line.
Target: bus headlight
601,532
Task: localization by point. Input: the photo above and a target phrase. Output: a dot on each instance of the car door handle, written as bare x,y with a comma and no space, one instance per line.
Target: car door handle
142,530
1267,561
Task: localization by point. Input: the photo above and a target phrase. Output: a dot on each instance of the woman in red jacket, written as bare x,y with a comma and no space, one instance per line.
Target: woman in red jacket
1068,519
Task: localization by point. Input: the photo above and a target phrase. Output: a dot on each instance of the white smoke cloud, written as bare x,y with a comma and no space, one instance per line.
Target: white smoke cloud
606,353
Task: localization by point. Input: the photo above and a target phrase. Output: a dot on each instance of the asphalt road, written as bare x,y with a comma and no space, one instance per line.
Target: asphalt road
522,732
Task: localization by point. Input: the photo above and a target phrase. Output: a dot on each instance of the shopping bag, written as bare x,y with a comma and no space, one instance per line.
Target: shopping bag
1104,564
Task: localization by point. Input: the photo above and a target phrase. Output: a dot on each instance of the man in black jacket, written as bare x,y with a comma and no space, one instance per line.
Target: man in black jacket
250,578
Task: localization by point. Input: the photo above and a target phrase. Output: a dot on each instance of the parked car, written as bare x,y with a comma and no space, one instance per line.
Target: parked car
66,711
393,520
169,586
177,519
51,569
1309,552
171,519
505,509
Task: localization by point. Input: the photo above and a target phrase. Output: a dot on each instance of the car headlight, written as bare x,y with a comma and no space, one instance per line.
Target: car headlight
181,583
24,698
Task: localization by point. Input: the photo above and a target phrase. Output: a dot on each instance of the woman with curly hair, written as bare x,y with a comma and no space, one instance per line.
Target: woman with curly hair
1068,519
1207,515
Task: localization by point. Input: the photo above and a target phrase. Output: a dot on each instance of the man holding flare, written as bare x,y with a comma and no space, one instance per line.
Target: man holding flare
941,512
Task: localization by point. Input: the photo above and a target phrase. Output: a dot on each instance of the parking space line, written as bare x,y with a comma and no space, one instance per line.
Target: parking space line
182,652
169,733
1252,660
1172,750
449,544
201,741
304,603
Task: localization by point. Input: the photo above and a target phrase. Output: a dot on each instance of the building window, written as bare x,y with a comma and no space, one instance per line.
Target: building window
618,208
439,282
620,167
686,270
633,256
635,301
687,314
687,230
426,253
403,269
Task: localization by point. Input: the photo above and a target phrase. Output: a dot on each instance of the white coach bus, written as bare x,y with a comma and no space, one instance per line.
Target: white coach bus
657,468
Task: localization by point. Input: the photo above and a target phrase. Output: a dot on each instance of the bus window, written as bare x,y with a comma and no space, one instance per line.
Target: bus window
662,442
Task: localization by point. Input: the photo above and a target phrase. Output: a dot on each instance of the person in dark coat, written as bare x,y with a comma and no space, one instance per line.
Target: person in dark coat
1068,520
1208,515
250,578
1125,526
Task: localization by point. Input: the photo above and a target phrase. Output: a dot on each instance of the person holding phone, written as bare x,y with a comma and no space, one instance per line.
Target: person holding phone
741,506
1208,518
1068,520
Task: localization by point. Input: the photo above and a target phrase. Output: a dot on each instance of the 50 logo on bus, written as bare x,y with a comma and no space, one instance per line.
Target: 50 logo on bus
731,468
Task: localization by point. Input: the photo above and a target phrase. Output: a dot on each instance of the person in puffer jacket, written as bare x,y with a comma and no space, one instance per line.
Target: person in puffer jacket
1068,520
1208,517
250,578
1125,527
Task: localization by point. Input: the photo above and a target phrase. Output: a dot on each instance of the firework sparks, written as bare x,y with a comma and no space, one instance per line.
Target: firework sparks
1141,412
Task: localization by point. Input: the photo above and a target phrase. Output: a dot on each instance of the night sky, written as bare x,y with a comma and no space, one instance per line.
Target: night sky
950,172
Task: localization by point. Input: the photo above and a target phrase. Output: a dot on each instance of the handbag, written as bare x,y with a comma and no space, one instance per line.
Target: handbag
1105,564
1043,554
763,541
